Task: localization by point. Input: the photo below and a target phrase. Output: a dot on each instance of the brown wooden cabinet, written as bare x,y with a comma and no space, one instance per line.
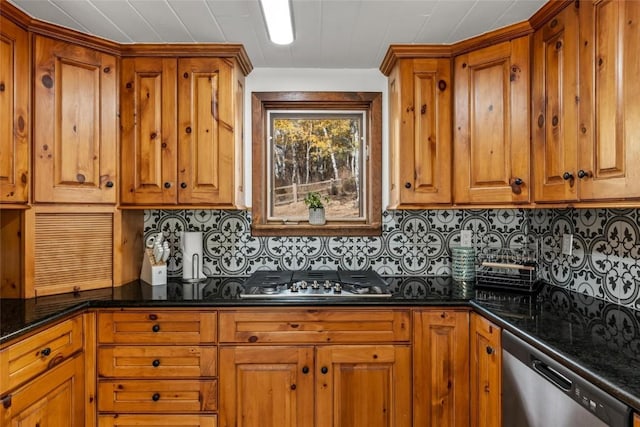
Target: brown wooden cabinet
157,363
491,124
485,372
636,420
555,116
440,368
362,378
420,132
609,93
43,378
75,123
182,131
14,104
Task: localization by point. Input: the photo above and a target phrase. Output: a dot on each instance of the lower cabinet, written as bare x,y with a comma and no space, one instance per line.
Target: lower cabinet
157,420
486,372
636,420
277,370
441,368
53,398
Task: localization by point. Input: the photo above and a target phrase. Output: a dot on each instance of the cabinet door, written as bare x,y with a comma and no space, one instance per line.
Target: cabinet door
149,156
363,385
150,420
265,386
441,368
555,108
14,104
486,373
420,123
206,126
75,123
491,139
55,398
609,93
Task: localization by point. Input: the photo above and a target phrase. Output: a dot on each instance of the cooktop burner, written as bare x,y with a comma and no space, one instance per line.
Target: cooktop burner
314,283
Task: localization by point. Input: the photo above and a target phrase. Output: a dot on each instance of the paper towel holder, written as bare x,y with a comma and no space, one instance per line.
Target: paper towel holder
195,271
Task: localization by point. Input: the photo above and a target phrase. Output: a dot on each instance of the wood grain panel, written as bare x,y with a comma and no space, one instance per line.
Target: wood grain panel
485,372
72,251
11,255
150,420
308,326
14,104
149,155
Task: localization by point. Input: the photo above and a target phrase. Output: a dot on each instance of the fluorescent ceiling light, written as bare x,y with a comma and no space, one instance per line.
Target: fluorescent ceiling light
277,14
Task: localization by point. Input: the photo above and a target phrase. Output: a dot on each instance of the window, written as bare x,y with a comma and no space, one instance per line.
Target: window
325,142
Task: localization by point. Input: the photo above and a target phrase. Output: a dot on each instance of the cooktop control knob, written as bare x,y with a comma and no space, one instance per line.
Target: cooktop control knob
294,287
303,285
315,285
327,284
337,288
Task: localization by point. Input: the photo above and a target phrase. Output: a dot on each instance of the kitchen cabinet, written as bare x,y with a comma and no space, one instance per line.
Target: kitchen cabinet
491,124
636,420
555,117
156,364
14,104
485,372
609,108
75,123
440,368
43,378
182,131
306,367
420,132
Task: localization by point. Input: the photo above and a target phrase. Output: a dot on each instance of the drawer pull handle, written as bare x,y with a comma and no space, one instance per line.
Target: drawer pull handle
155,397
305,369
156,363
489,350
156,328
45,351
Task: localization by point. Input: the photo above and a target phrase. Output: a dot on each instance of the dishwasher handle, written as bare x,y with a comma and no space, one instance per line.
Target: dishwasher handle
553,376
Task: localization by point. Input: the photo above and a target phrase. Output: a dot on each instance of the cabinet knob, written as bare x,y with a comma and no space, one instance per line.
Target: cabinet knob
305,369
183,185
489,349
155,397
188,129
156,363
109,184
293,387
107,70
518,181
156,328
2,87
583,174
324,369
442,85
45,351
407,185
567,176
167,185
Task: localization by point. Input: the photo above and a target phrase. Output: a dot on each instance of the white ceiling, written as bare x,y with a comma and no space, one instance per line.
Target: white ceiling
328,33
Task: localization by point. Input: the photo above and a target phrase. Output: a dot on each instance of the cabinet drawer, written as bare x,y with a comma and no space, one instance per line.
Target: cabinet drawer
139,396
157,361
118,420
37,353
314,326
156,327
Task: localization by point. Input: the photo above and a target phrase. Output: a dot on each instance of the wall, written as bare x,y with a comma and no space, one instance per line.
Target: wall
605,262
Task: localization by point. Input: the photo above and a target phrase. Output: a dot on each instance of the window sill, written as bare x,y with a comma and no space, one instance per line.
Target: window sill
331,228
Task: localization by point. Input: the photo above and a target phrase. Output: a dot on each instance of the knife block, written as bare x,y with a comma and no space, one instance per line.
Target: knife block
152,272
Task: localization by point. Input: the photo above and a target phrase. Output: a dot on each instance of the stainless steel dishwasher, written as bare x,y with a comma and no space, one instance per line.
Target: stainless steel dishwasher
539,392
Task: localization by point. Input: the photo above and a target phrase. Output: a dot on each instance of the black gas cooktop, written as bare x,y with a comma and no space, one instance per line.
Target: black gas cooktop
315,283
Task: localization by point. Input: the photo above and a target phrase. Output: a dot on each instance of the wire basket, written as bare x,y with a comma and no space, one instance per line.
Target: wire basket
514,269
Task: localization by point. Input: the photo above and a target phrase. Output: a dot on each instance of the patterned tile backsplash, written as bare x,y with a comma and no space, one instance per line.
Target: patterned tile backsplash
605,260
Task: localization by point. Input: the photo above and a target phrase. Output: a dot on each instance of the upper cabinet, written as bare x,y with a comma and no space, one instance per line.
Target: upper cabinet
555,101
491,124
609,146
182,131
14,104
420,132
75,123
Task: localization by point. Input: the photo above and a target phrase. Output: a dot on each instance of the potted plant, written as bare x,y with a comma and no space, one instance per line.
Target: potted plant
313,200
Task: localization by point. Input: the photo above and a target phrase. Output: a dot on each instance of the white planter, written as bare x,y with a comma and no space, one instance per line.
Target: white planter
316,216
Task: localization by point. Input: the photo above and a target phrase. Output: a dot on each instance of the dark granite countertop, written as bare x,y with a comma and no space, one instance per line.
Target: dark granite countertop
598,340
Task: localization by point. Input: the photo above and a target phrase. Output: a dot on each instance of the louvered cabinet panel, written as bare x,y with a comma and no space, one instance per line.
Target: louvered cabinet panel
73,251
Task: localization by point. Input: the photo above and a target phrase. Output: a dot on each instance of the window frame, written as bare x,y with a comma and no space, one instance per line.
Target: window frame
261,103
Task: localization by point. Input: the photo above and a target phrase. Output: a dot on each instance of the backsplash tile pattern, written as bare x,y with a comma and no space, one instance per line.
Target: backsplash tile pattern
605,261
